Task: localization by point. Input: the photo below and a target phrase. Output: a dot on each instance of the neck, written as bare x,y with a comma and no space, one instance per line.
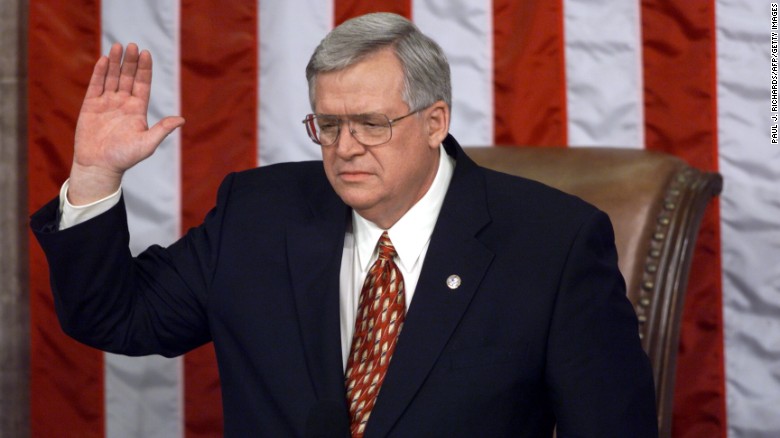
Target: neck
388,217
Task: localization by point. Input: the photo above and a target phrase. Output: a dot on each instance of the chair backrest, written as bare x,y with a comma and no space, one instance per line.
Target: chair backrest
656,203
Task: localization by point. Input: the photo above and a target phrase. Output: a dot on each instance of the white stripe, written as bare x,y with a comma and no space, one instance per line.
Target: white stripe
289,32
464,29
144,395
750,219
603,73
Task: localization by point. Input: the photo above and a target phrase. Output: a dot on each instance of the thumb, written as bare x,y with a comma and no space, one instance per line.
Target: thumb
163,128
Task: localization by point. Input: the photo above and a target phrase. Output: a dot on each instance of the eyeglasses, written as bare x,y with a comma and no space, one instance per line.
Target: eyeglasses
371,129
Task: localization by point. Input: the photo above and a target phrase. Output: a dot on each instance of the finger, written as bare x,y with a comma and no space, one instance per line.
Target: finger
98,79
142,86
114,62
128,70
163,128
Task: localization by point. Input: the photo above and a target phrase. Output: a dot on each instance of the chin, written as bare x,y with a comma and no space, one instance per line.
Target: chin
355,198
356,202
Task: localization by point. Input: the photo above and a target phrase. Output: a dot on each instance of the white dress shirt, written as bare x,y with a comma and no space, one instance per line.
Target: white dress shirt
410,236
71,215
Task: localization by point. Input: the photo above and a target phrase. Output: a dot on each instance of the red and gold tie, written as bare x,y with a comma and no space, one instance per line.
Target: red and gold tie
380,317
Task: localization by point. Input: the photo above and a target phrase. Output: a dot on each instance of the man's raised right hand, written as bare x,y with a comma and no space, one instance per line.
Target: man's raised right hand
112,133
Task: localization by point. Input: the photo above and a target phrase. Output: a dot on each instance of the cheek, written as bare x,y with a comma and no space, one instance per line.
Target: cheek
408,164
328,164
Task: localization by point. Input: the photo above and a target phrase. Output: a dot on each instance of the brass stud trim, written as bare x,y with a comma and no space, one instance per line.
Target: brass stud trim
648,283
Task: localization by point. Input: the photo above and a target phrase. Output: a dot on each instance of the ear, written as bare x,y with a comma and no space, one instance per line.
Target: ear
437,123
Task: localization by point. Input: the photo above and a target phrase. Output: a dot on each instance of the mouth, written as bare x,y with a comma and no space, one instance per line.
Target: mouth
354,176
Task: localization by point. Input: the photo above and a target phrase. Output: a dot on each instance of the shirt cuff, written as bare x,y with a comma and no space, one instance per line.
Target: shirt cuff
71,215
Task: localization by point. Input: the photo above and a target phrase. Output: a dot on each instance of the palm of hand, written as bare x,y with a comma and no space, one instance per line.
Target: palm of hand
112,133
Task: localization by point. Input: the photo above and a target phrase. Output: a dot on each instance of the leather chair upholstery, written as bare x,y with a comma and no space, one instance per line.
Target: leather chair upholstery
656,203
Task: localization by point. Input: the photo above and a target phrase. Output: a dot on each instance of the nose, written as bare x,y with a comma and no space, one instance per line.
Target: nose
346,145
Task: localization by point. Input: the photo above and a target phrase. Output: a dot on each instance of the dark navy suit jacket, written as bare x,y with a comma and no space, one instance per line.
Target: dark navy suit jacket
539,332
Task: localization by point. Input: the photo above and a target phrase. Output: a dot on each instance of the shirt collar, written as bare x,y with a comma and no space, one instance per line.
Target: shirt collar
410,235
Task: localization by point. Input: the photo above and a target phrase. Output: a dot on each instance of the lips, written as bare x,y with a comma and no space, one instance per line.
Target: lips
354,176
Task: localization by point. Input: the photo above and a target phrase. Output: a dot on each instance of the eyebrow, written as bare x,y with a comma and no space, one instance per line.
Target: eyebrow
350,115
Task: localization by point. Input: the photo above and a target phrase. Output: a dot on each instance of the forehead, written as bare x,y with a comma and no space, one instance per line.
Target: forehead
373,84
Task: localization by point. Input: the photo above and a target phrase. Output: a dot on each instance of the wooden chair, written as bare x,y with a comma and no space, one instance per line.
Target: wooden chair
656,203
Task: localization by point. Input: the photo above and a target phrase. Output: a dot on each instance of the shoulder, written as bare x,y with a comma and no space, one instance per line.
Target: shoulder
278,181
527,216
514,198
521,197
291,174
280,190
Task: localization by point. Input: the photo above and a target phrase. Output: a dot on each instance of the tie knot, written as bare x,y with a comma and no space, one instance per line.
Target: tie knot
386,248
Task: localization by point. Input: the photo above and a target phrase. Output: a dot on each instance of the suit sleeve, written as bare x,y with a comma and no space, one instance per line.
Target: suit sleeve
151,304
600,379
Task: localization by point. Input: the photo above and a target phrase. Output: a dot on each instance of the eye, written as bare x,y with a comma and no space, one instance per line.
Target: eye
372,121
328,124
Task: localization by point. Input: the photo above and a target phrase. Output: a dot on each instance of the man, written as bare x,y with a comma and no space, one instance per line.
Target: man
393,289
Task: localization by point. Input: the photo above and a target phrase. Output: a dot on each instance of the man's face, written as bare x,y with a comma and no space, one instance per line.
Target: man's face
380,182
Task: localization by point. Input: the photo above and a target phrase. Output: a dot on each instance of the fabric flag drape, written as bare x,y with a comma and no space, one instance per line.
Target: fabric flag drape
697,79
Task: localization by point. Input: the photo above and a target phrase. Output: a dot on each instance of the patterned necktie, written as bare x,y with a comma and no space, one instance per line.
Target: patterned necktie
380,317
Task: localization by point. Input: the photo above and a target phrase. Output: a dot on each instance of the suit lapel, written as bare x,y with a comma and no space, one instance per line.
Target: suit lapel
315,248
436,309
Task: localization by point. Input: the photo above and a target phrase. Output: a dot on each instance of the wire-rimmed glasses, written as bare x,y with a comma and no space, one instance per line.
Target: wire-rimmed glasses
370,129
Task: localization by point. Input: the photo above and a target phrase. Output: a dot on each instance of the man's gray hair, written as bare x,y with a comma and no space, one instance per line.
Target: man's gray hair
425,67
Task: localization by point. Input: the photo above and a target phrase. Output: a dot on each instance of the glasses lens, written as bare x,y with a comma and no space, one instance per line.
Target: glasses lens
371,129
326,129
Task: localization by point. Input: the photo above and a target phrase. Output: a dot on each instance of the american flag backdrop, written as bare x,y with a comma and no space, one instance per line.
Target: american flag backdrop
690,77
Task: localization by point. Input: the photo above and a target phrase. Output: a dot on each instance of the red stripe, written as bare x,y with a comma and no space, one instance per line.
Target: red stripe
680,116
529,73
219,101
66,378
343,10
